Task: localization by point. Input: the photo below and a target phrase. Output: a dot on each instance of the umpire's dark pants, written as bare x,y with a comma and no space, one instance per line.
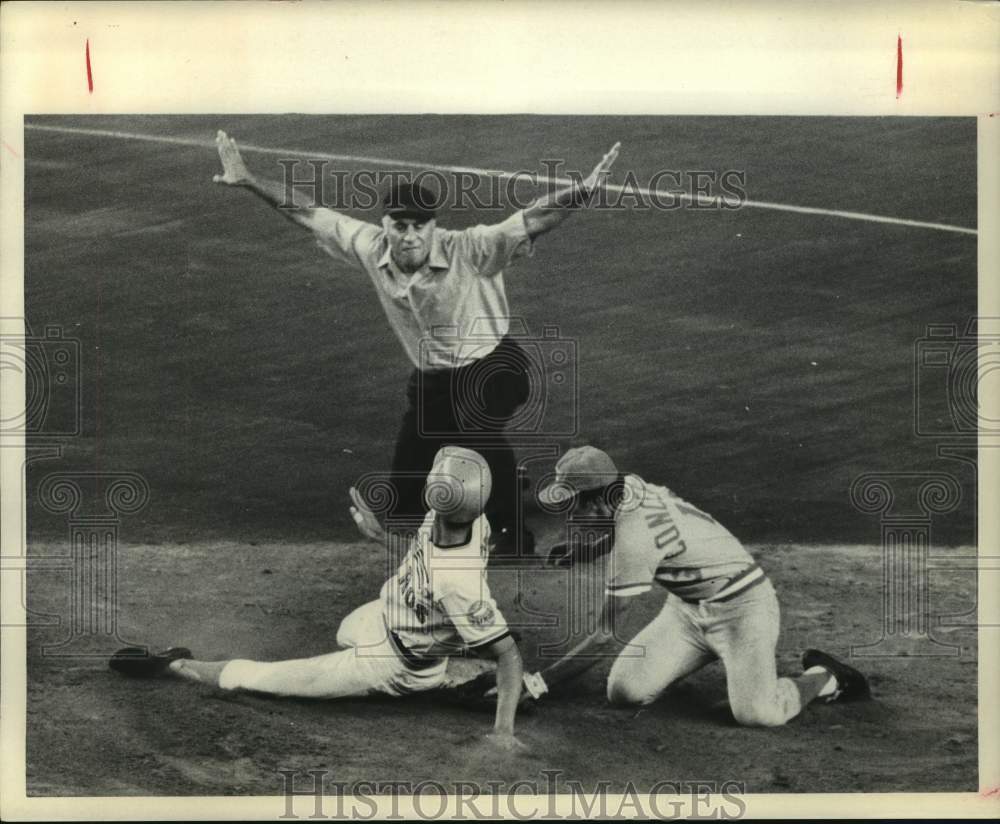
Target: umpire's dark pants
469,406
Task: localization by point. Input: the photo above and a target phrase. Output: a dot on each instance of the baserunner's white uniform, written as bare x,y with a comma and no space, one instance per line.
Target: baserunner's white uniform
437,604
720,604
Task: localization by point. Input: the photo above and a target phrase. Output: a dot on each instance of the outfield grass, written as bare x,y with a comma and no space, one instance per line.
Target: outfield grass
755,361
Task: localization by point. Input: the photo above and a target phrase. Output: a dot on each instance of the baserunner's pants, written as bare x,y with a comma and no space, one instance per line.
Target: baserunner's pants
369,664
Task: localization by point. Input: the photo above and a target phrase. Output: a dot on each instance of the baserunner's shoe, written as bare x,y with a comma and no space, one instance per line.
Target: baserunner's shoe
137,662
851,684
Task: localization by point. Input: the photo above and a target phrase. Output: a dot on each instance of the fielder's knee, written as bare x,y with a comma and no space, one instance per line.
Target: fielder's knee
759,715
623,694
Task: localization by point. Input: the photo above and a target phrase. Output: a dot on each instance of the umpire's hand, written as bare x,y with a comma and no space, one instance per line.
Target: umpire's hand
599,176
234,170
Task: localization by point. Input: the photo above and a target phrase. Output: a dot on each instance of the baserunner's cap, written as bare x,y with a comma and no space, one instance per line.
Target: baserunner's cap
458,485
410,200
580,469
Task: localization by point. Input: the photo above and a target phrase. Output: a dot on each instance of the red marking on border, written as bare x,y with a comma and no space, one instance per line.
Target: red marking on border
90,74
11,149
899,65
991,793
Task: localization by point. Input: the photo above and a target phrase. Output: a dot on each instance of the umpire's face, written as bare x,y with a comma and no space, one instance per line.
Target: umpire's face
409,241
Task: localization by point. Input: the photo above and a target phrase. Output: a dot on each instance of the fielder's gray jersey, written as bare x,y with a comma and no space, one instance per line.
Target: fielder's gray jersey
661,537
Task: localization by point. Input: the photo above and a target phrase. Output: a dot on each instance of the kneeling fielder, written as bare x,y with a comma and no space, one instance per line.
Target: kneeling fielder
720,604
437,604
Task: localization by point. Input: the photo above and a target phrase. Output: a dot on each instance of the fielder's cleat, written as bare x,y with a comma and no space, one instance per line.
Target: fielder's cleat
136,662
851,684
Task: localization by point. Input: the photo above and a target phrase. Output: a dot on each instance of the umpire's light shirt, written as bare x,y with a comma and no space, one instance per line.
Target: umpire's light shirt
451,311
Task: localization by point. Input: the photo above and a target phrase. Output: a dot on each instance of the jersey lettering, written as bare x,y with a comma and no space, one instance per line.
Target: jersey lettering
669,534
671,541
667,537
481,614
653,521
673,553
414,586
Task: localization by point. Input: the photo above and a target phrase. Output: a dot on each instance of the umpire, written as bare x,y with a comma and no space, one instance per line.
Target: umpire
443,294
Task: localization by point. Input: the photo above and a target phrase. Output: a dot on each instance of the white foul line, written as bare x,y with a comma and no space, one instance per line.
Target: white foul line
385,161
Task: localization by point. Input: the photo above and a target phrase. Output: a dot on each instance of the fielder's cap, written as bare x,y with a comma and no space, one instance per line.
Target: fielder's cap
580,469
410,200
459,484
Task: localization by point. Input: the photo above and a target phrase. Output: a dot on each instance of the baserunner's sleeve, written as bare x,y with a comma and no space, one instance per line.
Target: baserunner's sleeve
488,249
345,238
467,602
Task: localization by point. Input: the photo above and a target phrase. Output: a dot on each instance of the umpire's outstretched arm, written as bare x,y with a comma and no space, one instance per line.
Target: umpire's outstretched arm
301,210
543,215
548,212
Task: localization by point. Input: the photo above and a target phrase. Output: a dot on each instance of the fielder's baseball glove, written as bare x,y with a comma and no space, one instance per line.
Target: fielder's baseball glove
565,554
559,555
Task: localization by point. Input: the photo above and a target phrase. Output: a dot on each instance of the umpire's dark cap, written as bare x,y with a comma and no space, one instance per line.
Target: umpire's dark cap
410,200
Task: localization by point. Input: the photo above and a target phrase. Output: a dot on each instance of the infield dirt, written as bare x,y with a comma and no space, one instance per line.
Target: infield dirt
92,732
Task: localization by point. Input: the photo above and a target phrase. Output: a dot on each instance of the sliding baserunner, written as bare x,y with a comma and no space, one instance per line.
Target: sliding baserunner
437,604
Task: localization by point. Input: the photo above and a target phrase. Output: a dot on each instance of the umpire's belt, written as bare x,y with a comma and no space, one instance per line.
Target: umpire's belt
413,661
738,584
